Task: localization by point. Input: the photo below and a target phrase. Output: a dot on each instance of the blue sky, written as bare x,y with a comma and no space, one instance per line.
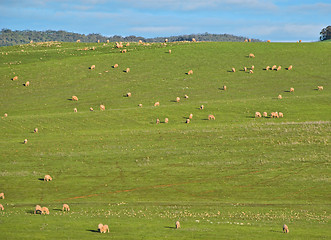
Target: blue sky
279,20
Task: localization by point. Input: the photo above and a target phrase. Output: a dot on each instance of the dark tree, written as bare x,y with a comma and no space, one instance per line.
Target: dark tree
325,33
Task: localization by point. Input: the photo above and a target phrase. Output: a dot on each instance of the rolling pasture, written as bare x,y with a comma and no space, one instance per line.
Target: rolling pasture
235,177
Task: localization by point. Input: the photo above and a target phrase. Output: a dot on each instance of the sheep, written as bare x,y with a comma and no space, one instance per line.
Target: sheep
35,130
245,69
140,105
169,51
25,141
190,72
211,117
65,207
251,55
44,210
5,115
1,207
300,41
191,116
257,114
290,67
246,40
187,121
285,229
102,107
127,70
98,41
280,96
186,96
193,40
249,40
2,195
128,94
268,41
37,208
48,178
252,67
279,68
274,115
156,104
233,70
27,84
127,45
267,68
273,67
100,226
165,40
265,114
140,42
92,67
280,114
74,98
177,224
251,71
15,78
107,40
166,120
91,109
75,109
320,88
291,89
177,99
104,229
124,51
202,107
115,66
157,121
224,88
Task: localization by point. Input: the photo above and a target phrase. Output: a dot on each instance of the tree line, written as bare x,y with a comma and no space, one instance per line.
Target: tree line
9,37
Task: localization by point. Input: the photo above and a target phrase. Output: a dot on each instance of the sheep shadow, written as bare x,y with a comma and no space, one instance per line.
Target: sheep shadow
172,101
40,179
250,117
57,209
69,99
24,84
230,71
170,227
94,231
205,119
287,91
316,89
276,231
30,211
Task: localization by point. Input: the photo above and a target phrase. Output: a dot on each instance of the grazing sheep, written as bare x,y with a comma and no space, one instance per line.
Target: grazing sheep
2,195
104,229
15,78
98,41
273,67
27,84
290,67
140,42
257,114
128,94
280,114
249,40
170,51
116,65
5,115
251,55
246,40
44,210
233,70
224,88
251,71
37,208
74,98
124,51
140,105
211,117
127,70
166,120
187,121
268,41
267,68
279,68
35,130
202,107
92,67
91,109
265,114
300,41
245,69
75,109
190,72
177,99
65,207
156,104
48,178
165,40
102,107
177,224
107,40
185,96
252,67
285,229
1,207
291,89
78,41
274,115
193,40
25,141
127,45
157,121
100,227
191,116
280,96
320,88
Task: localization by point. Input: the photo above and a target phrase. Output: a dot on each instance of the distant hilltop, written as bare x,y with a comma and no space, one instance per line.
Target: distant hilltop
9,37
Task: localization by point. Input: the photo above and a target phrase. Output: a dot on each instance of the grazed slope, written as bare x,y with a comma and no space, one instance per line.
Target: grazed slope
233,178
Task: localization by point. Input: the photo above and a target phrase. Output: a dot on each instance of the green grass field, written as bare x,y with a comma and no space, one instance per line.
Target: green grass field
238,177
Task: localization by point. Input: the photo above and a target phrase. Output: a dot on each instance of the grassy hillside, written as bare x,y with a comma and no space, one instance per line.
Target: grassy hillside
238,177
